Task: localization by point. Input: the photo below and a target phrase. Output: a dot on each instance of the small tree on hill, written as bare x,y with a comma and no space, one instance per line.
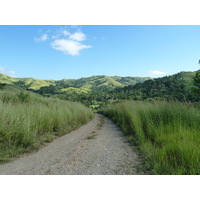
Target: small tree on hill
197,82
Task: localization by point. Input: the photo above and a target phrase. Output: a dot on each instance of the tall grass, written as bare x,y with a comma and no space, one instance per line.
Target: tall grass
167,134
28,120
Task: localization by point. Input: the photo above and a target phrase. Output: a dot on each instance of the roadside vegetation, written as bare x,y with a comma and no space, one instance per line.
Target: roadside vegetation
28,120
151,112
166,133
99,91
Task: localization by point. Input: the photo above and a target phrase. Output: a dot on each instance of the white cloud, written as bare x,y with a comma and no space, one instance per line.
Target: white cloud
65,32
157,73
79,36
42,38
54,37
69,47
60,33
66,39
11,72
7,72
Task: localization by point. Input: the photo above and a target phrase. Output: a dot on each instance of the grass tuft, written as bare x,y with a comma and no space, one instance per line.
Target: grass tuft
28,120
167,134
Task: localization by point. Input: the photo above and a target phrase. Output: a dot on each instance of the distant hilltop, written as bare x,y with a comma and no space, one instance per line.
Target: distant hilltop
84,84
100,90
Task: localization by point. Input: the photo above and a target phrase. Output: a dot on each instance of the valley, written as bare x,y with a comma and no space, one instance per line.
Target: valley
159,118
98,91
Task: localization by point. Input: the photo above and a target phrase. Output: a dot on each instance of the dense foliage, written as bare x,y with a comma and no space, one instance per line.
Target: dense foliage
178,87
98,91
196,89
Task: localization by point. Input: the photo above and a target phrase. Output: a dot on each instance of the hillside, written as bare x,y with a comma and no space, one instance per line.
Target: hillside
25,83
176,87
72,85
97,91
97,82
28,120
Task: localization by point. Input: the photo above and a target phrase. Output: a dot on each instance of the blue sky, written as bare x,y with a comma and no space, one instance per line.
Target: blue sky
57,52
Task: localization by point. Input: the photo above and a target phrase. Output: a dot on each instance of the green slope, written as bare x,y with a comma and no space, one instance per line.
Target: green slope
97,82
28,120
31,83
176,87
26,83
130,80
103,90
72,85
11,88
6,79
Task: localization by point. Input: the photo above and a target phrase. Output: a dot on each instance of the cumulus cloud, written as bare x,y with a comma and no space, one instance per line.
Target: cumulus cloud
69,47
78,36
69,41
60,33
42,38
157,73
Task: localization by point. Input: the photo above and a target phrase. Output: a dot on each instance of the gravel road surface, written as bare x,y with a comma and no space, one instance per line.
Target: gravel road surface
97,148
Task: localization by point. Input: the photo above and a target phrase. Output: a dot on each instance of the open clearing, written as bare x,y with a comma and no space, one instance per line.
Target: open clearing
97,148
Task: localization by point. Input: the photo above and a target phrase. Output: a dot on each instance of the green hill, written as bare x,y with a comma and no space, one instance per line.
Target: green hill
93,91
6,79
176,87
25,83
71,85
102,89
96,83
31,83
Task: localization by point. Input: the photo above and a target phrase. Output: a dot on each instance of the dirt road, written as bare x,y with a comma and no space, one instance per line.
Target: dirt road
96,148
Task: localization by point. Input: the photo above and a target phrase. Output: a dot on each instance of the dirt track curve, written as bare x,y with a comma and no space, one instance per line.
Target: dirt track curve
97,148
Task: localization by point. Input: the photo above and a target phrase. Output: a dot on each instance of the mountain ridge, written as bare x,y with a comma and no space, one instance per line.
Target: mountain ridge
83,83
97,91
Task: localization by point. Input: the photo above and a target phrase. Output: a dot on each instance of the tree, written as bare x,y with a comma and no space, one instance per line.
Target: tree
197,82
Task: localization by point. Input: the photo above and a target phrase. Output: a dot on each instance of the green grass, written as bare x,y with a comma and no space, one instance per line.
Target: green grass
167,134
28,120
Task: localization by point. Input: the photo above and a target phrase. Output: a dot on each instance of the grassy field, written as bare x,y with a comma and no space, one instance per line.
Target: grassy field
167,134
28,120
